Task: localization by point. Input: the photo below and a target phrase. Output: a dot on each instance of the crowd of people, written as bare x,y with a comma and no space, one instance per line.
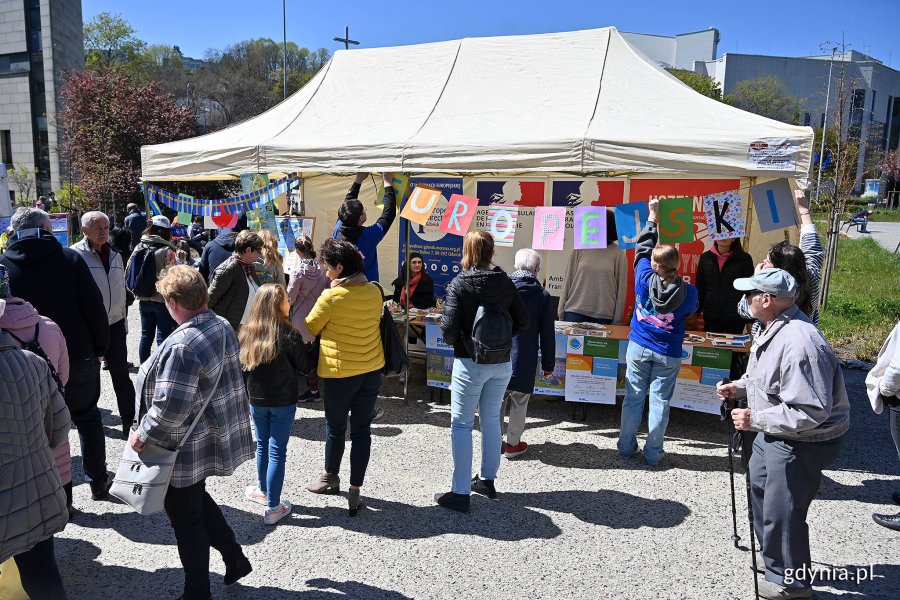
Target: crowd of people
239,345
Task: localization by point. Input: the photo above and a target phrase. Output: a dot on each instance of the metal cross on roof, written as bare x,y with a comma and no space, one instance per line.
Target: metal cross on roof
346,39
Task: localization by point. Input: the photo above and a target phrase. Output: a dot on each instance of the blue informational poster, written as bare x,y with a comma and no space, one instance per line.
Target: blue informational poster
442,251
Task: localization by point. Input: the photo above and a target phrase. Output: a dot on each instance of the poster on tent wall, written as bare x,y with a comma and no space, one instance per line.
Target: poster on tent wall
642,190
592,369
442,251
289,229
577,192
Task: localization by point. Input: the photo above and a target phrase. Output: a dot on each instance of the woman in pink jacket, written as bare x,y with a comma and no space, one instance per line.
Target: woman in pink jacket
22,321
307,282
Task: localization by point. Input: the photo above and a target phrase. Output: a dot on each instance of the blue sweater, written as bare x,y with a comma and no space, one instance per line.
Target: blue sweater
366,239
660,332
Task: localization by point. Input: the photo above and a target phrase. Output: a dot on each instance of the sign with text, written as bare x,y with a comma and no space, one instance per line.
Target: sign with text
549,228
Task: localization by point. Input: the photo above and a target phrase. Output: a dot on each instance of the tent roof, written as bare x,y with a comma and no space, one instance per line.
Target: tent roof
583,101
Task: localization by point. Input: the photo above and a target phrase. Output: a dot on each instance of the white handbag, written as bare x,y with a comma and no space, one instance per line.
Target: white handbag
142,479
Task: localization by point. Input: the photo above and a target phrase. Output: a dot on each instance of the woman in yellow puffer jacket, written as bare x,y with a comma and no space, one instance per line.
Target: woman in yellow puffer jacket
347,315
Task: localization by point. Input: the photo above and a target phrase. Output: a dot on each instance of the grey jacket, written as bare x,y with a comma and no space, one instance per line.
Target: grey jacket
229,290
793,384
32,413
112,284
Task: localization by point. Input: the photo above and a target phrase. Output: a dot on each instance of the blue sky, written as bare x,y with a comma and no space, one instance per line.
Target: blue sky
784,27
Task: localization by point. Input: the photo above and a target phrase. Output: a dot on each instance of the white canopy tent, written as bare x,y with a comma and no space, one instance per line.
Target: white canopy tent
584,102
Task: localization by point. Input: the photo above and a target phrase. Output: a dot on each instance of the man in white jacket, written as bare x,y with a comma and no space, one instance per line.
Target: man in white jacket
108,270
798,404
883,388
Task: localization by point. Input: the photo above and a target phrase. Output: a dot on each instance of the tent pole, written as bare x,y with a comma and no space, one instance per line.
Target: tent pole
406,336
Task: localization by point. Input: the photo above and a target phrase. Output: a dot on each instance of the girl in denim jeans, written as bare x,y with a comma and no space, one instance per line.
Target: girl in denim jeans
663,302
273,357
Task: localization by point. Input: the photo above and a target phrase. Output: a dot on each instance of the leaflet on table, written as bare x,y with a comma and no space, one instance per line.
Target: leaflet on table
555,385
695,388
438,357
592,369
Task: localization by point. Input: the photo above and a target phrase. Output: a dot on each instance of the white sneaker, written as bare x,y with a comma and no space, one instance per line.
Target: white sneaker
273,515
253,494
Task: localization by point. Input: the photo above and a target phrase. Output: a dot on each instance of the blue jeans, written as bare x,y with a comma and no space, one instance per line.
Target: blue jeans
647,369
580,318
155,318
273,430
471,386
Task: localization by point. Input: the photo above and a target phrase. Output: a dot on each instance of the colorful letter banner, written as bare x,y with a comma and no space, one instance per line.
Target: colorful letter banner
549,228
774,205
422,202
676,220
400,183
502,224
630,219
459,214
590,227
724,215
246,201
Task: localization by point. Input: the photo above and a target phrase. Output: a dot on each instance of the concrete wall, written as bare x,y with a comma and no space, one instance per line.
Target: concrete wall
12,26
63,51
680,51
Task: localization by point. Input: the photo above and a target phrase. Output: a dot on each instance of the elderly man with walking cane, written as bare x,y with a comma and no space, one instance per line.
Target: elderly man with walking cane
798,404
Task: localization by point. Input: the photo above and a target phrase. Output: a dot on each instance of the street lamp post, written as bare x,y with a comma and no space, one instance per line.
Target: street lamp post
824,125
284,45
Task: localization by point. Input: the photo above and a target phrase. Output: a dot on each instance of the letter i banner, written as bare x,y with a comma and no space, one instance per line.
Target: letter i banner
458,215
630,219
724,215
502,224
774,205
676,220
590,227
422,202
549,228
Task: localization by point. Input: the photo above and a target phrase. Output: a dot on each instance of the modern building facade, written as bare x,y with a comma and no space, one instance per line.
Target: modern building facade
872,94
679,51
39,41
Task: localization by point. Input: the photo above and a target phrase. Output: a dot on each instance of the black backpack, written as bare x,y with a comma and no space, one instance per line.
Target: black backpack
141,276
35,347
490,342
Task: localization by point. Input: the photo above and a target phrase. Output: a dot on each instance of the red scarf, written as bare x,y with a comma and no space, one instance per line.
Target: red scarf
412,288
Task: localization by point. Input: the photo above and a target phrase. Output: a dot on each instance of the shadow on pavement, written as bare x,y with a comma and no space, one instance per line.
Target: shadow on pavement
82,572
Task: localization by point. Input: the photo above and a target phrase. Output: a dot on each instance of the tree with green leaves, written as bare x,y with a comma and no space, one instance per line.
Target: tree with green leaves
700,83
25,180
766,96
110,43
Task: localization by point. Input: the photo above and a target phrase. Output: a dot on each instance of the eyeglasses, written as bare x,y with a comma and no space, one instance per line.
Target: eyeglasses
752,293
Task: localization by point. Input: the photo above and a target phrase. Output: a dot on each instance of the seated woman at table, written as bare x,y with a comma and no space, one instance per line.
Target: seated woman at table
421,286
663,300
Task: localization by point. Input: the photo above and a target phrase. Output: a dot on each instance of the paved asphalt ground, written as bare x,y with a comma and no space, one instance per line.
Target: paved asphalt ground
573,520
886,234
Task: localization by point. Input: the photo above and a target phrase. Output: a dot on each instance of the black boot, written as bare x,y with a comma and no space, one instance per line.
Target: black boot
100,489
235,571
889,521
896,497
485,487
457,502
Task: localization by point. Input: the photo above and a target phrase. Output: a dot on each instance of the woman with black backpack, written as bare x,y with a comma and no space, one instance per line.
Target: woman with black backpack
482,313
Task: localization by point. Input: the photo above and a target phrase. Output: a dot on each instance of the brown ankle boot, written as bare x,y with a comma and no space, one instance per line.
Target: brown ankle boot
326,483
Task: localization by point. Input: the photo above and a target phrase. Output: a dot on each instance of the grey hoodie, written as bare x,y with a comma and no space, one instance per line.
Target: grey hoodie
793,384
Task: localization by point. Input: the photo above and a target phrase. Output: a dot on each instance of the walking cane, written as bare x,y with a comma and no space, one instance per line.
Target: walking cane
725,413
747,441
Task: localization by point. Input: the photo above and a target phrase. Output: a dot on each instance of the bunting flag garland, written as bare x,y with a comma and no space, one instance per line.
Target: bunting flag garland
235,205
